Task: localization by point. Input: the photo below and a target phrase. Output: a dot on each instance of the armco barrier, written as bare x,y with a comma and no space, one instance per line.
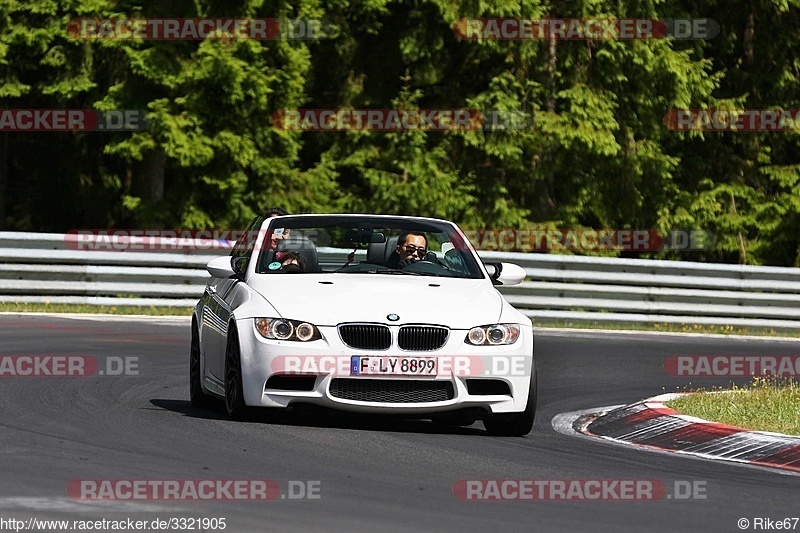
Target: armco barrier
48,267
37,267
635,290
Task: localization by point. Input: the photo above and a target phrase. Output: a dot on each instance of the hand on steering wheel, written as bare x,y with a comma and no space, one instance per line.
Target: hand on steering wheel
406,262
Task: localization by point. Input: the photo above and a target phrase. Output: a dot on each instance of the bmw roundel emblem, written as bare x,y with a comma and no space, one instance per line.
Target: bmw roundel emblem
393,317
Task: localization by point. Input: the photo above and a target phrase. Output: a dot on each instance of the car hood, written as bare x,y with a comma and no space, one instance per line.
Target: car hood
327,300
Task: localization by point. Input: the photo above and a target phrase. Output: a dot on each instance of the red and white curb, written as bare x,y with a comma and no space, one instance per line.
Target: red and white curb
651,424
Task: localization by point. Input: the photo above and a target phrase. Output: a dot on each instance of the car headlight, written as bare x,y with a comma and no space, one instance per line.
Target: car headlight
494,335
287,330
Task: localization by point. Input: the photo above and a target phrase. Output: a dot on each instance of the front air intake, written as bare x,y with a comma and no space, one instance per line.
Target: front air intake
391,390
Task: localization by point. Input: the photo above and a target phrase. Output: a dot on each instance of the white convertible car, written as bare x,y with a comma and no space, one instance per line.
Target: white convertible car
364,313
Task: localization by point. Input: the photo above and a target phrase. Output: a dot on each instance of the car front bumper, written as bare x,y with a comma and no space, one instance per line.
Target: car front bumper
325,365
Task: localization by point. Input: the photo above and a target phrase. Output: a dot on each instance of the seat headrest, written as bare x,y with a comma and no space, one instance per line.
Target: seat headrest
379,252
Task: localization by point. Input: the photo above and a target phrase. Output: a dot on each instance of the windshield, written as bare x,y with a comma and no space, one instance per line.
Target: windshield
365,245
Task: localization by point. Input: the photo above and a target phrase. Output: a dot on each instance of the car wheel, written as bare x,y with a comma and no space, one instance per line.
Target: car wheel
198,398
234,393
517,424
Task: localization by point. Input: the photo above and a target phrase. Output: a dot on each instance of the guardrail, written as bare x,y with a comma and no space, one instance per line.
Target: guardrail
637,290
52,267
38,268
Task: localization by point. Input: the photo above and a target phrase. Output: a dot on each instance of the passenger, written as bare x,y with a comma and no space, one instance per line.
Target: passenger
293,262
276,236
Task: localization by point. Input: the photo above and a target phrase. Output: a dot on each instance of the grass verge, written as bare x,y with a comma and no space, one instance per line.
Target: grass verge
667,327
767,404
16,307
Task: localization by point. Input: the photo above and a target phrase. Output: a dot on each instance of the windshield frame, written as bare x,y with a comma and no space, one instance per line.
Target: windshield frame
379,222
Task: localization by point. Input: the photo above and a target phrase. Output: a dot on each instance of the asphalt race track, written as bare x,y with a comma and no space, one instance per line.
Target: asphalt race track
373,474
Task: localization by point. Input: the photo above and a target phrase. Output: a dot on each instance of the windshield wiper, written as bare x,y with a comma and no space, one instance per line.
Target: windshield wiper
394,271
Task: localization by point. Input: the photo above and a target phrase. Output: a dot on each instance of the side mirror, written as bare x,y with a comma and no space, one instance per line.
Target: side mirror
505,273
220,267
239,265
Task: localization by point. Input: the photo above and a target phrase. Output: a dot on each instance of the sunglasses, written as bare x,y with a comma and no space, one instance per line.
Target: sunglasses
410,248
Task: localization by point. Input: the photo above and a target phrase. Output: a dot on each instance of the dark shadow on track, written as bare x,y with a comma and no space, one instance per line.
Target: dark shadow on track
322,418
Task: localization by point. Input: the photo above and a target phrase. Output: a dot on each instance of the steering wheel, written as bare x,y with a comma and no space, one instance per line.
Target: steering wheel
429,259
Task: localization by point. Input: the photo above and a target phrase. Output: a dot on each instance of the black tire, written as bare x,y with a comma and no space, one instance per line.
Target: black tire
196,394
517,424
234,392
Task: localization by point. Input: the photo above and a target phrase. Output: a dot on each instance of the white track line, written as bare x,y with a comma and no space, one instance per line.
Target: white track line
62,504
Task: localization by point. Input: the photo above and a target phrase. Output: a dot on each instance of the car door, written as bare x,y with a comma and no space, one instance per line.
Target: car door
218,311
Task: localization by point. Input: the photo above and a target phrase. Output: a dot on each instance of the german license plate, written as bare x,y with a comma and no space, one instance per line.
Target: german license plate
368,365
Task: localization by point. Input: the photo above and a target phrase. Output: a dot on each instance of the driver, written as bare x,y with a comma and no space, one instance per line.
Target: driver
411,247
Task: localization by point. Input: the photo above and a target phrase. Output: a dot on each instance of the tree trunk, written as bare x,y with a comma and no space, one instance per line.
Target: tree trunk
148,176
3,179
